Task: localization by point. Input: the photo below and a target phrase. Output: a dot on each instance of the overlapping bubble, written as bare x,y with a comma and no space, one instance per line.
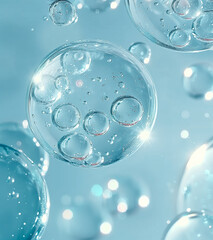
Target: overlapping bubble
24,197
184,25
91,103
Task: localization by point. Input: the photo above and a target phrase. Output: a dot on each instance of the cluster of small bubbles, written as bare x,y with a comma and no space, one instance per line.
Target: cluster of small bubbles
24,210
78,214
63,13
127,111
192,225
198,81
184,25
195,190
141,51
19,137
94,124
124,195
98,6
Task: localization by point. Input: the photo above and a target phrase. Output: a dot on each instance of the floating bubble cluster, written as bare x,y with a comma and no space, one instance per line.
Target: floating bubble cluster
122,195
185,25
91,104
82,219
62,13
196,187
100,5
141,51
19,136
187,226
24,197
198,80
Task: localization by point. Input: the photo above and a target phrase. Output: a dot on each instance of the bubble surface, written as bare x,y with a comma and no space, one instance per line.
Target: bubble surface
101,5
19,136
194,225
183,25
24,210
141,51
102,115
195,190
62,13
198,80
83,214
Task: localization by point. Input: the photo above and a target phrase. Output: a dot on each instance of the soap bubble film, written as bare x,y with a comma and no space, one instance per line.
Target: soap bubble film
141,51
24,197
19,136
183,25
84,106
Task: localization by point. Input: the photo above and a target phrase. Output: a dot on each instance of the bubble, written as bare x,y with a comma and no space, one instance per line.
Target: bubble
84,214
203,27
124,195
101,5
19,136
66,117
76,62
198,80
179,38
62,13
24,210
188,22
96,123
194,225
187,9
127,111
75,146
195,190
141,51
107,109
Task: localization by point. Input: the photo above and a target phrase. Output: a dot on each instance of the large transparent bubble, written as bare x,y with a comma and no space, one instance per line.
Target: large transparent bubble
24,197
190,226
196,187
184,25
19,136
102,101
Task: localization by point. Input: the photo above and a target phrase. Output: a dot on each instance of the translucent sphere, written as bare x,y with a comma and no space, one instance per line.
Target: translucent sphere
190,226
141,51
198,80
196,186
101,5
82,219
184,25
123,195
101,113
62,13
19,136
24,197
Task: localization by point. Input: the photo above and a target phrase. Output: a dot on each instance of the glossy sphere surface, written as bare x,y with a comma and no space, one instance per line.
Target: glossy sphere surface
101,5
19,136
196,187
24,197
183,25
102,109
190,226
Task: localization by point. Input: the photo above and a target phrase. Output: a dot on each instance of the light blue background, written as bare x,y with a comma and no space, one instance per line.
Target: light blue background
159,163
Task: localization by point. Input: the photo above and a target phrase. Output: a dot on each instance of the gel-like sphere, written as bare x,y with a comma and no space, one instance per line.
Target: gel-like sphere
123,195
62,13
196,187
24,198
183,25
83,220
101,5
190,226
198,80
141,51
102,104
19,136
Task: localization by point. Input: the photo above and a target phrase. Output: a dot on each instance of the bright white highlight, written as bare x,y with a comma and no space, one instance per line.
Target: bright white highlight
113,185
184,134
122,207
67,214
188,72
106,228
143,201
